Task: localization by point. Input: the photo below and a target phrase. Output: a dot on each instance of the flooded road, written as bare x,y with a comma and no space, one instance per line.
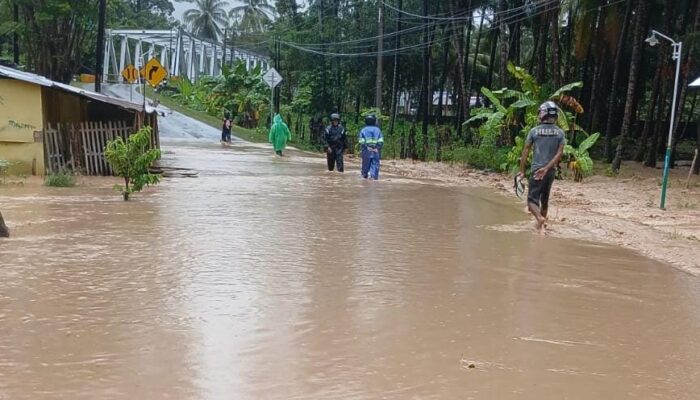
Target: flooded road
267,278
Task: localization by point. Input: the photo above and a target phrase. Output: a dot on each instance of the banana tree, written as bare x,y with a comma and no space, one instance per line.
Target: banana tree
579,161
517,110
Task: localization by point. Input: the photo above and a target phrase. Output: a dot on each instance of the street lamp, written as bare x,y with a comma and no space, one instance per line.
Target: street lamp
677,49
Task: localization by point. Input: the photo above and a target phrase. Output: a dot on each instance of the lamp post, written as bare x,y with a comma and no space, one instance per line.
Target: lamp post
677,49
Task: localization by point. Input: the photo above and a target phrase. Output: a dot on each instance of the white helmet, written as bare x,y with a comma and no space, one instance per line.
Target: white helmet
548,110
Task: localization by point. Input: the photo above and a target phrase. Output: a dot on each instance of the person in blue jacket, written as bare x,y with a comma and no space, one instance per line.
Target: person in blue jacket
371,142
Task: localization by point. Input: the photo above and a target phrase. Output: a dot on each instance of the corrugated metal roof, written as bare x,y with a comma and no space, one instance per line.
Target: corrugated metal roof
696,83
40,80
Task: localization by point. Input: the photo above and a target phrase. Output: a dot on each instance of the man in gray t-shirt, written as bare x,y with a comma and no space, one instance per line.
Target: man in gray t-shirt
547,141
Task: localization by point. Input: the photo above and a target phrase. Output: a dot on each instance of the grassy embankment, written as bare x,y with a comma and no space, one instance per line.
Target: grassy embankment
251,135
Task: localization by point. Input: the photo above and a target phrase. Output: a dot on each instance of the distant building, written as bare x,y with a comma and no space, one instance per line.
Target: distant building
409,101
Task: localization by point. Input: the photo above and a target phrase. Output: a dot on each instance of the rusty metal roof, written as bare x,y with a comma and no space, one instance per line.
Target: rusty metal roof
42,81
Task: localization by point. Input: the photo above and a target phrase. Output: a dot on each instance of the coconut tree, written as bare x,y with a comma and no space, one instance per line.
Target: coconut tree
254,15
206,18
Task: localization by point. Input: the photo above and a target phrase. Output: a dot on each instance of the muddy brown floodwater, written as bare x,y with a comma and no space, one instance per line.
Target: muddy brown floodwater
268,278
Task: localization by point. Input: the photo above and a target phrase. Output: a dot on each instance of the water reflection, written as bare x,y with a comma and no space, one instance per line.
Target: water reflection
268,278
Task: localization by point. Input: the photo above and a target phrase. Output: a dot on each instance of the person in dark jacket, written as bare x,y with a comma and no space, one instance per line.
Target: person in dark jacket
336,141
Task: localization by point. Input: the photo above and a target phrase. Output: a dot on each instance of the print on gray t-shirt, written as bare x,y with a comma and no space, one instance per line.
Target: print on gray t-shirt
545,139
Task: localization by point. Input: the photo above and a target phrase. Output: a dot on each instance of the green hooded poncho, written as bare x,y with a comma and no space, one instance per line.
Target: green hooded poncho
279,133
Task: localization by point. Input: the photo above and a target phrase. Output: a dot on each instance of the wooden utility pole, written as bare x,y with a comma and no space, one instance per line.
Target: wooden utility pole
380,58
99,54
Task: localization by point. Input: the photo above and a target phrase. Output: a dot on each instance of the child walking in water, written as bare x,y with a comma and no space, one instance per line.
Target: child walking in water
279,134
226,128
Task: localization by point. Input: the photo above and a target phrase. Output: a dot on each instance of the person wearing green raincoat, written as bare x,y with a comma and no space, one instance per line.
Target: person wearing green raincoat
279,134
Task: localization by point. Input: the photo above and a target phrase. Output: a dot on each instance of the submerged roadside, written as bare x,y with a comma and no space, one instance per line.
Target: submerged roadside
620,211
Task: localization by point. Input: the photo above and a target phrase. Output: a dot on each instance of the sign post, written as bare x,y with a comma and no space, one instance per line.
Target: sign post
272,78
153,73
130,74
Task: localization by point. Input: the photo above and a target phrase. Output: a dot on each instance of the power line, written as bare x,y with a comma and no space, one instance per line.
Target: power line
529,6
301,47
407,49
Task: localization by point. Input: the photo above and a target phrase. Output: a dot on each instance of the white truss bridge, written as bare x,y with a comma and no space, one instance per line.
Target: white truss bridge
180,52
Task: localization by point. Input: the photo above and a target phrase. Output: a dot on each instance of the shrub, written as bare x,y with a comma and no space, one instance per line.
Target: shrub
131,159
62,178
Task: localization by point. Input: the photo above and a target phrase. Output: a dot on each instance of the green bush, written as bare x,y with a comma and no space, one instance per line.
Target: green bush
131,159
62,178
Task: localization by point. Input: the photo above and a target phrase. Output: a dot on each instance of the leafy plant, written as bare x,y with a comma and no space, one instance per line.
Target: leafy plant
62,178
131,159
516,111
580,161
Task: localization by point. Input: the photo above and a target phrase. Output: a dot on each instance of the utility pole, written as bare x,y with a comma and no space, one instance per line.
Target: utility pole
277,67
100,46
223,58
380,58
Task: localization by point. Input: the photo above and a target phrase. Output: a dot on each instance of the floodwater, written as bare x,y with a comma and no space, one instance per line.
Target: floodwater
267,278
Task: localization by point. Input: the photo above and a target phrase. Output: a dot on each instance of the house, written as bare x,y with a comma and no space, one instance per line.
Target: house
695,83
409,101
46,125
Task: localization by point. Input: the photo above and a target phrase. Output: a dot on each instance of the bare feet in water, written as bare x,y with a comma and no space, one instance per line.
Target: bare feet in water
541,227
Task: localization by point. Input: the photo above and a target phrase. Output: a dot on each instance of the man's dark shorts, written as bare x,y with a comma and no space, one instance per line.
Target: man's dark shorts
538,191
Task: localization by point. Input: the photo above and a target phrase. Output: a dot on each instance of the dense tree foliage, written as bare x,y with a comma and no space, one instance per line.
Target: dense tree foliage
438,55
56,38
435,56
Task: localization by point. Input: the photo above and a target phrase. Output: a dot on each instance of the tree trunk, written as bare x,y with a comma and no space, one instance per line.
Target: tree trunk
648,122
658,127
515,34
503,40
15,36
612,100
492,61
443,81
556,51
596,87
465,64
4,232
473,68
630,103
689,60
459,79
535,52
542,56
568,67
126,188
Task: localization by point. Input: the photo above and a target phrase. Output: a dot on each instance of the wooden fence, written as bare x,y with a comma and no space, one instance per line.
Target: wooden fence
81,146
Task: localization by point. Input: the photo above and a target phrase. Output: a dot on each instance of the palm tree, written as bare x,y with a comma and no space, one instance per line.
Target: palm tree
205,20
254,15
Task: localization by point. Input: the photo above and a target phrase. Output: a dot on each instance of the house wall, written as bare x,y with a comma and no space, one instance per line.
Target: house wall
62,107
20,116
